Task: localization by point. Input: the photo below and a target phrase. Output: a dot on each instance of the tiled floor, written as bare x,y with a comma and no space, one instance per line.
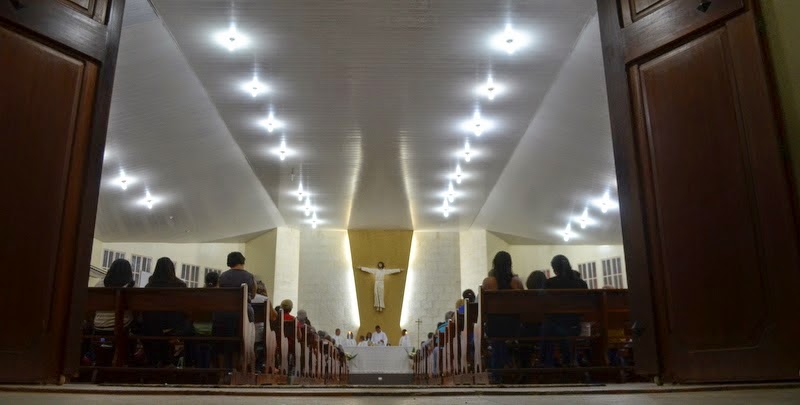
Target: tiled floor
86,395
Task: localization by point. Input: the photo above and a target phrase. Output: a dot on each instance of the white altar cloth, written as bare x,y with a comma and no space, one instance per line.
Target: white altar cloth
380,360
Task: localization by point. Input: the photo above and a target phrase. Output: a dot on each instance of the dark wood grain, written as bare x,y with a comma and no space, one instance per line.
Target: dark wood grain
694,120
57,73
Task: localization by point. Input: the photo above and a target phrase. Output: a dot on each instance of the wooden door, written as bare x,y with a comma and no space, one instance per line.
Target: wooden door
57,62
708,211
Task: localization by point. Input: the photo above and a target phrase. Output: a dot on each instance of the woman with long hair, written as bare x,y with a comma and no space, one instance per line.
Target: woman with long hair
119,275
164,275
159,352
501,277
561,325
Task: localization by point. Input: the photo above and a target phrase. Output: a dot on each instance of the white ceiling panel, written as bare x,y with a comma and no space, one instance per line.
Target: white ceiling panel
168,138
372,94
563,162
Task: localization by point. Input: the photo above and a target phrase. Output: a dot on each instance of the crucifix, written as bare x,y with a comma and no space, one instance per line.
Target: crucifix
379,273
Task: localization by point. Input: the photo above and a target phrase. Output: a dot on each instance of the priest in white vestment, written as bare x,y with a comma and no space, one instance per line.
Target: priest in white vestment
405,341
350,342
379,338
379,273
338,339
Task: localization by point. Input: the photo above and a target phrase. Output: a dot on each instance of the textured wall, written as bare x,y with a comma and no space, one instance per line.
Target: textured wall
473,258
493,245
260,254
367,248
433,281
327,289
287,265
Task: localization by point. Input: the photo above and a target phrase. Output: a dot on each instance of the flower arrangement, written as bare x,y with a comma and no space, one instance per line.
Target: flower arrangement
350,356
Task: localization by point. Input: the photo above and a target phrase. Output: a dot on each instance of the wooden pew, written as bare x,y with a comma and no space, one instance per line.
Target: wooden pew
195,304
604,309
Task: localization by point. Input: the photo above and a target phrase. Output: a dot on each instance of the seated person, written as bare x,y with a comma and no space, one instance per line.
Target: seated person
561,325
119,275
536,280
501,277
226,324
159,352
286,306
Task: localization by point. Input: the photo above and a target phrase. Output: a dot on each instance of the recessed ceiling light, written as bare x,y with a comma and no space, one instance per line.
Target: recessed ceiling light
568,232
605,203
314,221
270,123
451,192
300,192
445,208
254,87
307,206
148,200
232,39
467,151
510,40
490,89
584,219
123,180
282,151
458,174
477,125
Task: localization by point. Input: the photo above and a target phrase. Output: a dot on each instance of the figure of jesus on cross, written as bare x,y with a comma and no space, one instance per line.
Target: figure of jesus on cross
379,273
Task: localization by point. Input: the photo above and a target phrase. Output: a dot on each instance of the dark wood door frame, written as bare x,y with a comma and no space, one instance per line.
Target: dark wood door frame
90,32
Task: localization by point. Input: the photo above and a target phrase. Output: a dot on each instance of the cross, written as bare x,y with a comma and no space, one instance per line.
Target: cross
419,321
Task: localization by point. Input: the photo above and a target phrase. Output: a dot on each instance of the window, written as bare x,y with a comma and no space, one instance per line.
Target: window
140,264
190,274
589,273
109,256
210,270
612,272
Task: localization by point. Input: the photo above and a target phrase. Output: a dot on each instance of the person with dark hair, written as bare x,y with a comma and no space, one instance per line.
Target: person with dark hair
536,280
163,323
225,323
211,279
119,275
561,325
469,296
379,338
502,277
405,341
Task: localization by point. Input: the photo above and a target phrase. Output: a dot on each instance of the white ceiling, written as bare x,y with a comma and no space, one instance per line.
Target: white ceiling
372,94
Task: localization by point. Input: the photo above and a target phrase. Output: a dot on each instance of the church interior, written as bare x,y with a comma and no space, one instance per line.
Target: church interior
372,162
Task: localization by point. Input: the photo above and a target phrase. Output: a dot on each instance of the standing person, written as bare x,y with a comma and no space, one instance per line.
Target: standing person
405,341
379,273
362,342
369,338
501,277
225,323
350,342
561,325
338,338
163,323
379,338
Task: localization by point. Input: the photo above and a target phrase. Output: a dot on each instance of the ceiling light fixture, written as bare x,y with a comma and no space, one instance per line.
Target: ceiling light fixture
467,151
307,206
568,232
282,151
605,202
458,175
490,89
300,192
314,221
510,40
445,208
584,219
232,39
123,180
254,87
478,125
148,200
451,192
270,123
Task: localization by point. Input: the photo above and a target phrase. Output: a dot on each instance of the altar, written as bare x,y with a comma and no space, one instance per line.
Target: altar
380,365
